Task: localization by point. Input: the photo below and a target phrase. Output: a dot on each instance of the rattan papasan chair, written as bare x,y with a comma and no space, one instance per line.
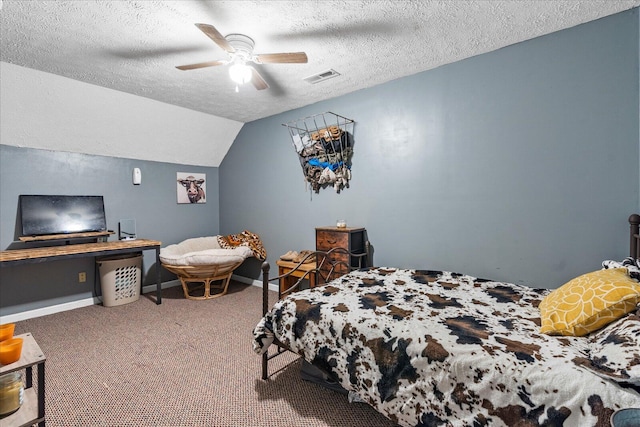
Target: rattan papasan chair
202,263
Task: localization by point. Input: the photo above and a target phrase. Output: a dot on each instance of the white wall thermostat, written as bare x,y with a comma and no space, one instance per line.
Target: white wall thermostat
137,176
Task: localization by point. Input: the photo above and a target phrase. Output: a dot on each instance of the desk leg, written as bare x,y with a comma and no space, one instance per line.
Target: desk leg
158,278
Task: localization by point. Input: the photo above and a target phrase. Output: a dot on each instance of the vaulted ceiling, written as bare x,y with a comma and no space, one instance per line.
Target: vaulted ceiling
134,46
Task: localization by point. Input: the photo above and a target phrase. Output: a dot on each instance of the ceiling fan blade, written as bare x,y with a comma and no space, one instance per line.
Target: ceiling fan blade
257,80
200,65
274,58
214,35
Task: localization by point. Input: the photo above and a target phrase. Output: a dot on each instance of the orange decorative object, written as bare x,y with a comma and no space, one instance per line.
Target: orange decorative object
6,331
10,350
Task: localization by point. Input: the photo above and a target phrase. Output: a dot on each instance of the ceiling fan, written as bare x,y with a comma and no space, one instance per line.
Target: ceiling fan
240,50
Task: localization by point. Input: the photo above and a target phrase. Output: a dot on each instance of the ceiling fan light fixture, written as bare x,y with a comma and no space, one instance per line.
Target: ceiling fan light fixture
240,73
239,49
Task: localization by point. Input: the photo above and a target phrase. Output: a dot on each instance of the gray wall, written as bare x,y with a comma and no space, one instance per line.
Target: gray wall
152,204
518,165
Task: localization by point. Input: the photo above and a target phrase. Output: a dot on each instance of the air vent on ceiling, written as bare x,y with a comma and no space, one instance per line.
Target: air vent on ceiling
325,75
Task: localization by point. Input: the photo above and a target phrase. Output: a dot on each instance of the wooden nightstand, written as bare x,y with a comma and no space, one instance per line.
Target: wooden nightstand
352,239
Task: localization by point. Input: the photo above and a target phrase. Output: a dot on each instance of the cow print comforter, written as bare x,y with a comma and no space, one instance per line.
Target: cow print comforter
431,348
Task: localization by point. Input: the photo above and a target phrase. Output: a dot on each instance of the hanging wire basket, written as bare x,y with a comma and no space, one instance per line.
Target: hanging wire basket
324,144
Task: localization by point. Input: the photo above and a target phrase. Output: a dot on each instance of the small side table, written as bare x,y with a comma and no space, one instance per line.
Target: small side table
307,270
351,239
32,409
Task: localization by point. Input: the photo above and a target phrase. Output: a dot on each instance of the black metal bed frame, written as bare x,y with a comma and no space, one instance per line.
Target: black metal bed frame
327,263
634,235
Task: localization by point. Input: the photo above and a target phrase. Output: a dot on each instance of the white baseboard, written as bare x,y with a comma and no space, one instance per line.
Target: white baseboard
57,308
163,285
252,282
38,312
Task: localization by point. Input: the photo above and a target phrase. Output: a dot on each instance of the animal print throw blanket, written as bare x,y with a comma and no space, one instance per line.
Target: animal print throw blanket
435,348
246,238
632,265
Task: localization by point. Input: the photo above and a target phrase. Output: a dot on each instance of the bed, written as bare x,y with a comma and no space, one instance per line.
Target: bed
437,348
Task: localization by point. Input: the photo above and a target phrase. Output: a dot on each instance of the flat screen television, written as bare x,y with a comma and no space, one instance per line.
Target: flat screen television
42,215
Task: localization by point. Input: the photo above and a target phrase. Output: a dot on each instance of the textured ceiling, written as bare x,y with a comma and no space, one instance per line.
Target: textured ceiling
134,46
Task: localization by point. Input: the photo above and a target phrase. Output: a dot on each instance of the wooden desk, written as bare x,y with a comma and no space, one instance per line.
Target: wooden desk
80,250
307,271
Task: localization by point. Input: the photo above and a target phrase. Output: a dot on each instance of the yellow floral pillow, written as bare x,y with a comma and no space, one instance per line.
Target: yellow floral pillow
589,302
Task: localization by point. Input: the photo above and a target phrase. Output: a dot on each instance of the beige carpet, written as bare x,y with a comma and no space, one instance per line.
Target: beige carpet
181,363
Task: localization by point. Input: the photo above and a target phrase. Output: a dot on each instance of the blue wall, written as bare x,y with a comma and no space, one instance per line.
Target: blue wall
153,205
518,165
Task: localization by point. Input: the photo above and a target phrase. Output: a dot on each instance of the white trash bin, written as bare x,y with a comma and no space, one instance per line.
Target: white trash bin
120,279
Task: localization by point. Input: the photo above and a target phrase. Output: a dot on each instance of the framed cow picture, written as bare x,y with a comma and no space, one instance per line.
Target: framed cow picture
191,187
